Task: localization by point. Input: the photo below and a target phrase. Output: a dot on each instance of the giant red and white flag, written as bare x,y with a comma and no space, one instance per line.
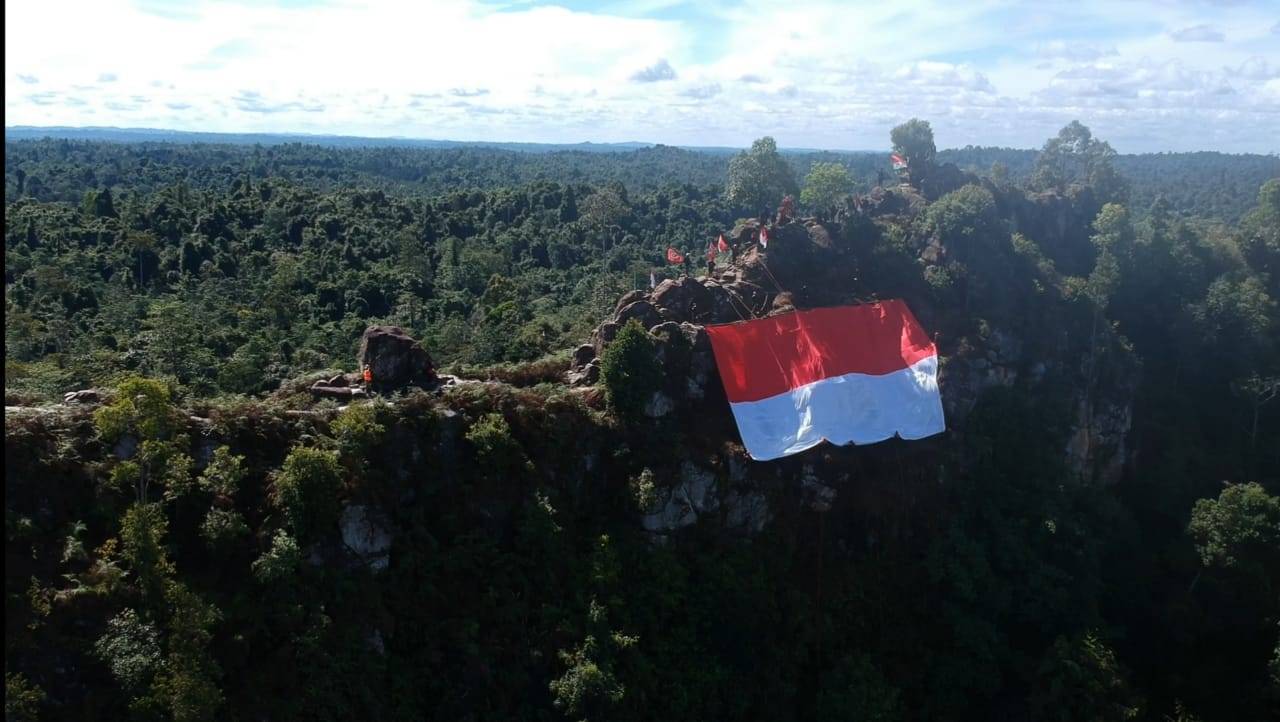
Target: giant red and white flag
846,374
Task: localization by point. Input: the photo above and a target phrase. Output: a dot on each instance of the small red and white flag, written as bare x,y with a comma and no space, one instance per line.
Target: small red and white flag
721,244
674,256
898,161
653,280
711,251
764,237
846,374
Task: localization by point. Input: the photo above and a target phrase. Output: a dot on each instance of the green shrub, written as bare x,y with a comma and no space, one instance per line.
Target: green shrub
142,533
130,648
497,451
222,527
644,490
357,430
280,562
125,476
224,473
307,488
630,371
1080,679
588,686
164,463
188,683
22,699
142,407
1241,528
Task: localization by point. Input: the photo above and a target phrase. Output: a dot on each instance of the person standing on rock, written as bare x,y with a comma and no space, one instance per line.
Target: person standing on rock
785,210
367,377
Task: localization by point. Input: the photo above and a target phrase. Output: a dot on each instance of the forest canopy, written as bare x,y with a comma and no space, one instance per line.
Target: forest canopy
210,542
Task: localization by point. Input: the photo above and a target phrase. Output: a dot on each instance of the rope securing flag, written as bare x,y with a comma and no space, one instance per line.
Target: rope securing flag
846,374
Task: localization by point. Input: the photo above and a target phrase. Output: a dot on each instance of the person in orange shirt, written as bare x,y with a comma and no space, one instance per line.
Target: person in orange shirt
368,376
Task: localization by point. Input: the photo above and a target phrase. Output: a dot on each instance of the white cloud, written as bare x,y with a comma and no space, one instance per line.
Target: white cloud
1074,51
1198,34
814,73
702,92
659,71
251,101
1134,85
107,77
1256,68
945,75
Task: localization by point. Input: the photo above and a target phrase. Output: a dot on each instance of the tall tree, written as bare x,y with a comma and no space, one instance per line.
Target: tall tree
760,177
1261,231
1076,158
826,185
913,140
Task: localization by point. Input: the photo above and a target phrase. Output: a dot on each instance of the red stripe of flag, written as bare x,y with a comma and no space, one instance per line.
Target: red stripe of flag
770,356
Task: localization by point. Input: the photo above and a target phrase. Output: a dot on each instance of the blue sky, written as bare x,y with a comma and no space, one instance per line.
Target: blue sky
1148,75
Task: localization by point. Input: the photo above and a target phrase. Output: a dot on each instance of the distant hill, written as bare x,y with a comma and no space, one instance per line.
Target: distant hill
155,135
150,135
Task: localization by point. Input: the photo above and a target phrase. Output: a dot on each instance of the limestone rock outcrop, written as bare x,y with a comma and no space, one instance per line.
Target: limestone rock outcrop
396,359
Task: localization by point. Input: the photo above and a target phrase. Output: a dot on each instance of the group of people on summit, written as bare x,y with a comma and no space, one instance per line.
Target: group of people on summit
784,215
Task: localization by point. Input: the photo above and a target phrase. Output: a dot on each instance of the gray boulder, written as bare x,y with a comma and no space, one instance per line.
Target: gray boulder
395,358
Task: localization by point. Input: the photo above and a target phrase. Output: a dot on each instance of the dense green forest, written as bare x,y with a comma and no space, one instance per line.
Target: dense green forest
1211,185
1096,537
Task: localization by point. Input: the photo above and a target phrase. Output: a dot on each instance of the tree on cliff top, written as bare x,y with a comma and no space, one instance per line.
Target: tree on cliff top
759,178
825,185
1075,158
913,140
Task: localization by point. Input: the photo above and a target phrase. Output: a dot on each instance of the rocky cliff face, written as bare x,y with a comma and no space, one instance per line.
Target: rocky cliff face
466,485
1035,346
1038,348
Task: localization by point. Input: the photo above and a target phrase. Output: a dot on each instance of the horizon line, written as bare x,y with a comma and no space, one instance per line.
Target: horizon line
565,144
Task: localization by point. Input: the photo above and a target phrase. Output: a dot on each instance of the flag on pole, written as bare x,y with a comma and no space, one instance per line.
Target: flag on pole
674,256
764,237
898,161
847,374
711,252
721,244
653,281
